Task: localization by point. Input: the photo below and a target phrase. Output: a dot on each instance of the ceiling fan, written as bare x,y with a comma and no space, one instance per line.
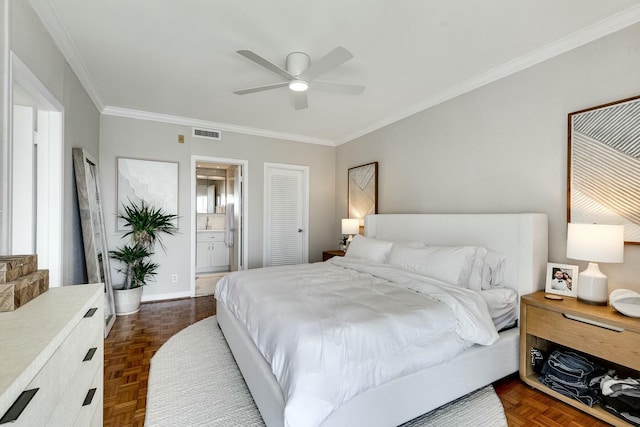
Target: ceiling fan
300,74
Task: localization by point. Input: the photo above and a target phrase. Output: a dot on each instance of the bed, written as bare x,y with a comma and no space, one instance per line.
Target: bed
520,238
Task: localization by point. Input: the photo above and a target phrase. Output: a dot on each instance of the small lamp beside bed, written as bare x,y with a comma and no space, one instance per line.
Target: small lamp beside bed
350,226
594,243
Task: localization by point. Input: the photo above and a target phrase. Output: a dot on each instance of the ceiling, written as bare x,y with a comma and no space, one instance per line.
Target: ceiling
176,61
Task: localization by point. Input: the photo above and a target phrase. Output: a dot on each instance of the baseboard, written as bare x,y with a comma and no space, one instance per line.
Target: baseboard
160,297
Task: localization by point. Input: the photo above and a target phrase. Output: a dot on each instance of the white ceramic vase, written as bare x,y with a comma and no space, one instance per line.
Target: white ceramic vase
127,301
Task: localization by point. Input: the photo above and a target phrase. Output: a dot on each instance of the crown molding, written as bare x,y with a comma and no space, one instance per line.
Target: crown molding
588,34
186,121
58,32
617,22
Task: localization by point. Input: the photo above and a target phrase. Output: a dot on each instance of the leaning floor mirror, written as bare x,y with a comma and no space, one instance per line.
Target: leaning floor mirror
93,231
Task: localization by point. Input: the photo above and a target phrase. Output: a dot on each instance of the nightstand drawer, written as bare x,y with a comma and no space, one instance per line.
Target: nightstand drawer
622,347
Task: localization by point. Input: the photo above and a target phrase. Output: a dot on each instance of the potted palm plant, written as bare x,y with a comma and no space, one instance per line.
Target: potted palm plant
147,225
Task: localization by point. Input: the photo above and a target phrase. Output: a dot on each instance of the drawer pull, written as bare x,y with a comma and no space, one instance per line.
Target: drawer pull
89,397
90,354
91,312
593,322
18,406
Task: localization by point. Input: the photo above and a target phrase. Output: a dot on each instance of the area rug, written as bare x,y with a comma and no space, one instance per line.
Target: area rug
194,381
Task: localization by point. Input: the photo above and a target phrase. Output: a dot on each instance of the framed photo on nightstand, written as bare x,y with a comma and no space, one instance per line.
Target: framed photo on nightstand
562,279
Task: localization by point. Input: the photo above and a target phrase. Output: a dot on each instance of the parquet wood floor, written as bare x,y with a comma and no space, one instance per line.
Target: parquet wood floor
134,339
128,349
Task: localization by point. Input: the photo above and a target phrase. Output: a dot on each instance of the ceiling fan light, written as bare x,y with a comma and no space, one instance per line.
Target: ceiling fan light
298,85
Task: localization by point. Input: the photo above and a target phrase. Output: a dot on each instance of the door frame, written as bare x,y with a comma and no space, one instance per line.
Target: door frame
50,117
305,205
244,256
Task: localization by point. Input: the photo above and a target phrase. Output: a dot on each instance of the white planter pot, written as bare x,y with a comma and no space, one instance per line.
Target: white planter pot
127,301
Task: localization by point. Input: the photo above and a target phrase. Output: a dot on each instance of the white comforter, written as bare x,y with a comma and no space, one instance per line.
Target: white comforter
335,329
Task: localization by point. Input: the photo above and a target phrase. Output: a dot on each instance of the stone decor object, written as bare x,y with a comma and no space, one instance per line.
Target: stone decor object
20,281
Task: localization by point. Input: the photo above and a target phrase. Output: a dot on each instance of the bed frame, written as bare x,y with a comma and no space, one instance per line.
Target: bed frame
521,237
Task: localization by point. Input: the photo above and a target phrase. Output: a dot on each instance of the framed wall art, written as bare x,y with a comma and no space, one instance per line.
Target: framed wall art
562,279
155,182
363,191
604,166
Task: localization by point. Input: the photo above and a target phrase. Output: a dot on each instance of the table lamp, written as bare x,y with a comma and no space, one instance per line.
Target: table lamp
350,226
594,243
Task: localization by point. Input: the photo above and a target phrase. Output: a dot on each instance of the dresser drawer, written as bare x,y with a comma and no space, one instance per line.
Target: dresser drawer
210,236
72,402
56,376
98,414
90,413
618,346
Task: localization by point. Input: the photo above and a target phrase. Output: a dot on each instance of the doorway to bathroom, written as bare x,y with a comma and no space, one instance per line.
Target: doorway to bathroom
32,167
219,232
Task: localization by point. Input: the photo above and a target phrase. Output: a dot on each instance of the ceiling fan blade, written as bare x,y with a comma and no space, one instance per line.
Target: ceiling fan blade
300,100
260,88
335,87
265,63
336,57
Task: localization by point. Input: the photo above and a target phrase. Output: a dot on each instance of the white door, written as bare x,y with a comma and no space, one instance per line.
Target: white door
237,262
286,214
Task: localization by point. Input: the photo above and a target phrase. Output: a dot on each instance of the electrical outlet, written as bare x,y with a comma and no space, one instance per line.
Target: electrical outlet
174,278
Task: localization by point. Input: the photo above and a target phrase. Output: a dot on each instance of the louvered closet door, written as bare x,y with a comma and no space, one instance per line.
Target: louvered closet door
286,214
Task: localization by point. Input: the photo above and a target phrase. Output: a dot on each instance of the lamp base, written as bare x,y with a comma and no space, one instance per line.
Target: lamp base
349,240
585,301
593,286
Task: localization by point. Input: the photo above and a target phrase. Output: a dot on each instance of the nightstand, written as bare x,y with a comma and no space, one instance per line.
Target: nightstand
330,254
612,339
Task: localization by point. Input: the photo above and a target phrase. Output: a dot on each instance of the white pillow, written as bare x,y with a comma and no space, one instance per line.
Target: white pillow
411,244
459,266
475,276
370,249
493,270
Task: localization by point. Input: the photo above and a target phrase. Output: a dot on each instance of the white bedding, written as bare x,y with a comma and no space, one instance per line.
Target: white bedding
503,306
396,323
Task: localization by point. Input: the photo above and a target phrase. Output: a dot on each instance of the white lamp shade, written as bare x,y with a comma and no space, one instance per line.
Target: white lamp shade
595,242
350,226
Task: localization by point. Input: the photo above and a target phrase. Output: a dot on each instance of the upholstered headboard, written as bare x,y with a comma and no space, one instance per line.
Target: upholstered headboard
522,238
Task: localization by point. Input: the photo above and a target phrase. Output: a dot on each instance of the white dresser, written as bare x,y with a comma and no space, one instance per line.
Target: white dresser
52,359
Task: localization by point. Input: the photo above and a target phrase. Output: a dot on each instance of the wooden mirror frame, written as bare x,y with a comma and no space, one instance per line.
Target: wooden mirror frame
94,238
603,166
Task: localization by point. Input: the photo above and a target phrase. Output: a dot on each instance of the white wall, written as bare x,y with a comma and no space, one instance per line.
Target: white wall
503,147
31,42
124,137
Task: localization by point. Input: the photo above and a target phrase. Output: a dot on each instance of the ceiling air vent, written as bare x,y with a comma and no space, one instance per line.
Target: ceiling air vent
206,133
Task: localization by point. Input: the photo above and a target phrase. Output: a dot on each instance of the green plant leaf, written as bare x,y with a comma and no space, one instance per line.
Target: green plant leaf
147,223
142,272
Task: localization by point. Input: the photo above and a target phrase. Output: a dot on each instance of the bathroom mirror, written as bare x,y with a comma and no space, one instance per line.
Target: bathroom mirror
93,233
604,166
210,191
